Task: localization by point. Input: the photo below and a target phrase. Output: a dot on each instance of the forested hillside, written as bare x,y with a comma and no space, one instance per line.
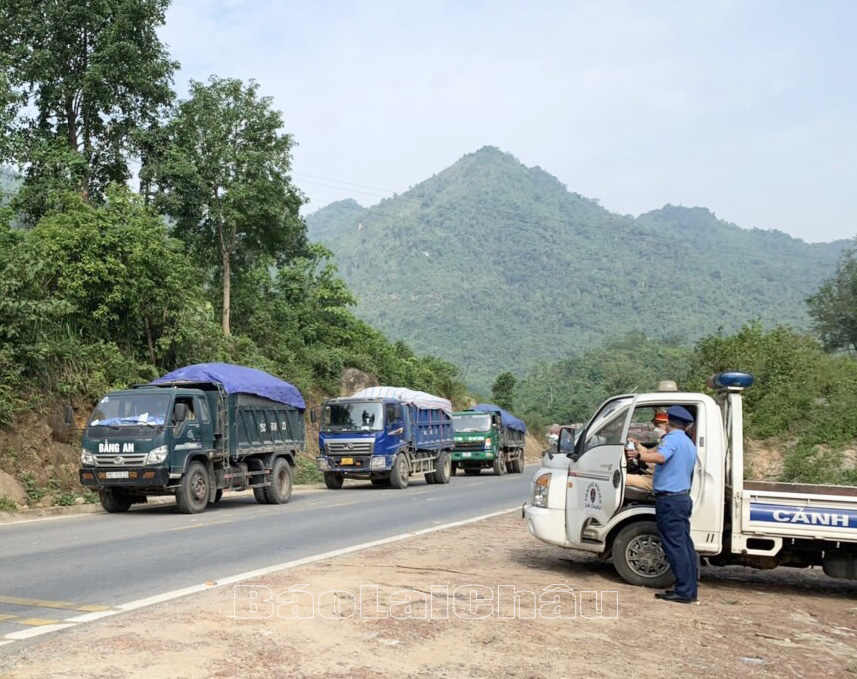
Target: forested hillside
496,266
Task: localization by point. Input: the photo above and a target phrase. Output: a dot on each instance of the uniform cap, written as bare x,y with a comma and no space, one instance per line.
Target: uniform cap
679,413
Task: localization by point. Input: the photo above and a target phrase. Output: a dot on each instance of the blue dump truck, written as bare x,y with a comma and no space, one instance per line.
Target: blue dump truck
486,436
385,435
194,433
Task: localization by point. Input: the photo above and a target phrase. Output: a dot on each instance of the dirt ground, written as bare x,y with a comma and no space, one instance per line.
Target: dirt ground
773,624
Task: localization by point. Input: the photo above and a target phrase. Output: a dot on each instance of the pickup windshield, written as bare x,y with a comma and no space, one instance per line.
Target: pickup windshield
130,410
353,416
471,422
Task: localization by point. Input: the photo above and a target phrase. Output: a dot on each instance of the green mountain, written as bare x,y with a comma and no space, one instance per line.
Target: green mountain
495,266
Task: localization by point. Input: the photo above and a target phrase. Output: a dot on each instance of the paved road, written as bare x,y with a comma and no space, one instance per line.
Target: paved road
55,569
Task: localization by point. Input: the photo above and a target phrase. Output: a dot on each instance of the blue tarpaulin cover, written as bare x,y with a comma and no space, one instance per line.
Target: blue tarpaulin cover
507,419
237,379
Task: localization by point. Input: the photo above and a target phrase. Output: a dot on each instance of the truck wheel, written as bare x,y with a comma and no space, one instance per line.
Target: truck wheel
500,464
639,558
453,469
192,494
442,468
333,480
280,490
430,478
259,494
510,466
399,473
115,500
518,464
470,471
217,497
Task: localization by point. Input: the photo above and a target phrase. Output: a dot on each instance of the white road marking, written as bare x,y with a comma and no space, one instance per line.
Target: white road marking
220,582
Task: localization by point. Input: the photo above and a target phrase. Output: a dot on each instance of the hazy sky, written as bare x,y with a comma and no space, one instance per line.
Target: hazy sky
747,107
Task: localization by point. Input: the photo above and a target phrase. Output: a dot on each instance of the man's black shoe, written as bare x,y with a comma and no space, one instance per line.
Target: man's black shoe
675,598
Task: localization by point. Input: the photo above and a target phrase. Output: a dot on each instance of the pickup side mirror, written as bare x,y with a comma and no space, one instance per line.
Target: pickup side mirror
69,415
565,441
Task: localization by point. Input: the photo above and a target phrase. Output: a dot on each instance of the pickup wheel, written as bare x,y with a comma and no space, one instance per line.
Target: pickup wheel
115,500
280,490
500,464
333,480
442,468
639,557
400,473
192,494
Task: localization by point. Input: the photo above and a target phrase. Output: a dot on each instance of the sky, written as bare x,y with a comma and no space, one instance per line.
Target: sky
746,107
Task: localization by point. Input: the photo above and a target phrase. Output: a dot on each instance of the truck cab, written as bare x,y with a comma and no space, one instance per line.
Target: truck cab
580,500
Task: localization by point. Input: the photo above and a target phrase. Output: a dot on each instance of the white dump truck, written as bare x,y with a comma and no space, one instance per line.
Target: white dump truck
579,498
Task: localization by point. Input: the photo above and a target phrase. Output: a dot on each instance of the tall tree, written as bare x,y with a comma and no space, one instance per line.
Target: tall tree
503,390
92,74
220,169
834,307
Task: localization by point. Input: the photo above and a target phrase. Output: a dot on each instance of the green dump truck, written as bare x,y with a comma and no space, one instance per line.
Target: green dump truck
486,436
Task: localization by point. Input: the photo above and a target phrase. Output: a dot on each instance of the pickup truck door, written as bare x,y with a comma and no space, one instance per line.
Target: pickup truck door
596,473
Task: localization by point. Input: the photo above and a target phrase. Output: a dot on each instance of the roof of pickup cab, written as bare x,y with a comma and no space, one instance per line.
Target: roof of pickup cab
236,379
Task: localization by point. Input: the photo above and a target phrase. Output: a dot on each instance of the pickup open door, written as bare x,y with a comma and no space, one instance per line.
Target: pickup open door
596,475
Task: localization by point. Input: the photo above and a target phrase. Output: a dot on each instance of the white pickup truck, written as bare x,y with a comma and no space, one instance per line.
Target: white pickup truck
579,498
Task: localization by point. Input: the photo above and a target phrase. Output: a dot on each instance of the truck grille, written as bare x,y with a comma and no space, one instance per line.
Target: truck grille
119,460
469,445
349,448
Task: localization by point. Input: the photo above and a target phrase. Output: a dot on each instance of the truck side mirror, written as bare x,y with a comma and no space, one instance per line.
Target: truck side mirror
69,415
179,412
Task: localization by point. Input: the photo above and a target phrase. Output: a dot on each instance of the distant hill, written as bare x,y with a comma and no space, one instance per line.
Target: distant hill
495,266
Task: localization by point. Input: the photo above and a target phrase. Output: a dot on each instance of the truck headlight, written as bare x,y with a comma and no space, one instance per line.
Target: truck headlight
322,464
488,442
86,457
541,489
157,455
377,462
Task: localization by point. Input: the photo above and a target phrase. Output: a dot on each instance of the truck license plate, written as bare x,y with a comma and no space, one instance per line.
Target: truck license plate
466,454
117,475
347,460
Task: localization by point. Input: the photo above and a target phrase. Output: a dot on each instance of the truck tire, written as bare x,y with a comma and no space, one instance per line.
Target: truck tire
115,500
430,478
399,473
442,468
518,464
333,480
280,490
639,558
218,496
259,494
192,494
500,464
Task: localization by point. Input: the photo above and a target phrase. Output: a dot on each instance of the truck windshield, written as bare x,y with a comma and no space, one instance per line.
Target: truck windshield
471,422
351,416
130,410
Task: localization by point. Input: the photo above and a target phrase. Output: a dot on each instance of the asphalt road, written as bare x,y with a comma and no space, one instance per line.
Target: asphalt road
56,569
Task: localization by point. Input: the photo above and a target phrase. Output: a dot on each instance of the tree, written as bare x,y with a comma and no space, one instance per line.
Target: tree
220,169
503,390
834,307
92,74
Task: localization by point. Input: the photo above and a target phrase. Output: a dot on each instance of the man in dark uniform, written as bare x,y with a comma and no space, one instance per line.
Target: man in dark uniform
674,459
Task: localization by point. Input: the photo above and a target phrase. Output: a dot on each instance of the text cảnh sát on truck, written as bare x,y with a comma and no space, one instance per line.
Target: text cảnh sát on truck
580,500
194,433
488,437
385,435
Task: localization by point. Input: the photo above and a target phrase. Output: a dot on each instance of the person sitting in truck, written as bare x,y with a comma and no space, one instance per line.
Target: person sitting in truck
641,475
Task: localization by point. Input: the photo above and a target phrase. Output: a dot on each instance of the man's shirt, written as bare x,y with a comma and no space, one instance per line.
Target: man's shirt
676,473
